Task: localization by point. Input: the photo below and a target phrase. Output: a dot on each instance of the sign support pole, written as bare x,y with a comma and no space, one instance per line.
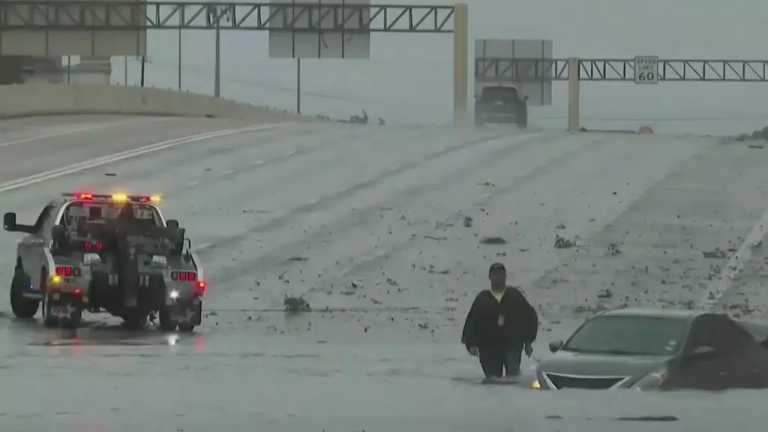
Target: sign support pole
217,73
298,85
179,58
460,63
573,95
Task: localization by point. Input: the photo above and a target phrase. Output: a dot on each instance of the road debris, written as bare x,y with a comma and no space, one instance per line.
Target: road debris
605,294
717,253
563,243
613,249
493,241
296,305
298,259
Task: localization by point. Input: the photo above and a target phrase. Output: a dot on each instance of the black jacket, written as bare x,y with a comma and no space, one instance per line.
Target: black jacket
519,321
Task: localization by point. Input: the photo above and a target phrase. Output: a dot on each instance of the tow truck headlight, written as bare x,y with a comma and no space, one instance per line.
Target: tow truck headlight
173,294
652,381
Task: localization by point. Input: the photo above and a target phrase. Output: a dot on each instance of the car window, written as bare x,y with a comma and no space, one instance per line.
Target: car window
629,335
44,220
499,93
718,332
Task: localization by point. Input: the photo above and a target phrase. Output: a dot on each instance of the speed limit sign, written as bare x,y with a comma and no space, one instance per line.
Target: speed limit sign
646,70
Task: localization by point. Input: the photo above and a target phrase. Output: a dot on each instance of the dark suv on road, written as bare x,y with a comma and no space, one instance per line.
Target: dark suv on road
501,104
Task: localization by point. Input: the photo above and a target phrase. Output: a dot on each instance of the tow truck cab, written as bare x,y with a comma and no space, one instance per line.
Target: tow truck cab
106,252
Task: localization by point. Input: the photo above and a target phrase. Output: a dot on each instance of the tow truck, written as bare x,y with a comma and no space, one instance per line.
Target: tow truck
112,253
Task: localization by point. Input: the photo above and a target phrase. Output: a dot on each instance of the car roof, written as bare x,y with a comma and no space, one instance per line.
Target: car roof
654,313
498,86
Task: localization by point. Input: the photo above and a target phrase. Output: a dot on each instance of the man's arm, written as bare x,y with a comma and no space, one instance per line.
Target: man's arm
469,335
529,321
532,321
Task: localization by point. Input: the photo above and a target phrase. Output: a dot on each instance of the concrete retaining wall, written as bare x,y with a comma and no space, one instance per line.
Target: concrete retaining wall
48,99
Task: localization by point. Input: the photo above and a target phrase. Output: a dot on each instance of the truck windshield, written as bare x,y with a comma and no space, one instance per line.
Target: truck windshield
631,335
79,213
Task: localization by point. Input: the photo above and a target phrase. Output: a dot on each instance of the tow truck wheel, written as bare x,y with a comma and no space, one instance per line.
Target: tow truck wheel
48,319
74,319
22,307
186,327
134,319
166,322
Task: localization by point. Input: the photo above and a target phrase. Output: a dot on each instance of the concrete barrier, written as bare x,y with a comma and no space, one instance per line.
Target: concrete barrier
50,99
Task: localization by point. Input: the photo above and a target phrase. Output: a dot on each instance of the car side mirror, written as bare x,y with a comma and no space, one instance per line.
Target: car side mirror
556,346
9,221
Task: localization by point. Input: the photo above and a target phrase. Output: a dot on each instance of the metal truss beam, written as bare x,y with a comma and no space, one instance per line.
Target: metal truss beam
505,69
152,15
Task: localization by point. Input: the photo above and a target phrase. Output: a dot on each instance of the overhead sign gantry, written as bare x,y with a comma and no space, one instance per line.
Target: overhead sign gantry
640,69
37,19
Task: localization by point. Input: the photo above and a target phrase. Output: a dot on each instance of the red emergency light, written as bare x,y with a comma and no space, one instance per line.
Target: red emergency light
94,246
184,276
200,288
67,271
83,196
114,198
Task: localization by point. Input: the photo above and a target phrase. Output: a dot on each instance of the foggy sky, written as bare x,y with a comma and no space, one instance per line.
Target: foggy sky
409,76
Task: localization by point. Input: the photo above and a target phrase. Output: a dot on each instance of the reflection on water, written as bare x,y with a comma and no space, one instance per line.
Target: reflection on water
81,342
200,344
172,339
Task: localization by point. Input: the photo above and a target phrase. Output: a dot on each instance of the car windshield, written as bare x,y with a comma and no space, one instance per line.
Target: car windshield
629,335
499,93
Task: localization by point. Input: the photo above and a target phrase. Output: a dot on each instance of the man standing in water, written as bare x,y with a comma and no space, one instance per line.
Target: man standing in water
499,326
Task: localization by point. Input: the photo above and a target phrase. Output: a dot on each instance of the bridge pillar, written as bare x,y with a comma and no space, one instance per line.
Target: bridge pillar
460,63
574,101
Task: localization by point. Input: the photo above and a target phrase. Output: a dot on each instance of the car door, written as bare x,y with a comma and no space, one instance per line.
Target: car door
32,248
730,362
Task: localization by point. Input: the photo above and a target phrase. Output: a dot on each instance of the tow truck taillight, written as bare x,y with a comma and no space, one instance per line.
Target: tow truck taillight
184,276
67,271
94,246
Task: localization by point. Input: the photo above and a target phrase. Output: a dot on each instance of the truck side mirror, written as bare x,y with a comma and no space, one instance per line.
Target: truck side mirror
172,224
9,221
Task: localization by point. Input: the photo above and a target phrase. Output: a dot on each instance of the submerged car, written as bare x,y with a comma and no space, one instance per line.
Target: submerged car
656,349
501,104
113,253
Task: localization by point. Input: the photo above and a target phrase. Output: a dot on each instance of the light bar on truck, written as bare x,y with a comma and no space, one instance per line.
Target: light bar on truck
118,198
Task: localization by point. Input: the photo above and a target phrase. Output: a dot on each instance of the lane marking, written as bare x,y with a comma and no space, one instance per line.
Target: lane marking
736,263
127,154
69,132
